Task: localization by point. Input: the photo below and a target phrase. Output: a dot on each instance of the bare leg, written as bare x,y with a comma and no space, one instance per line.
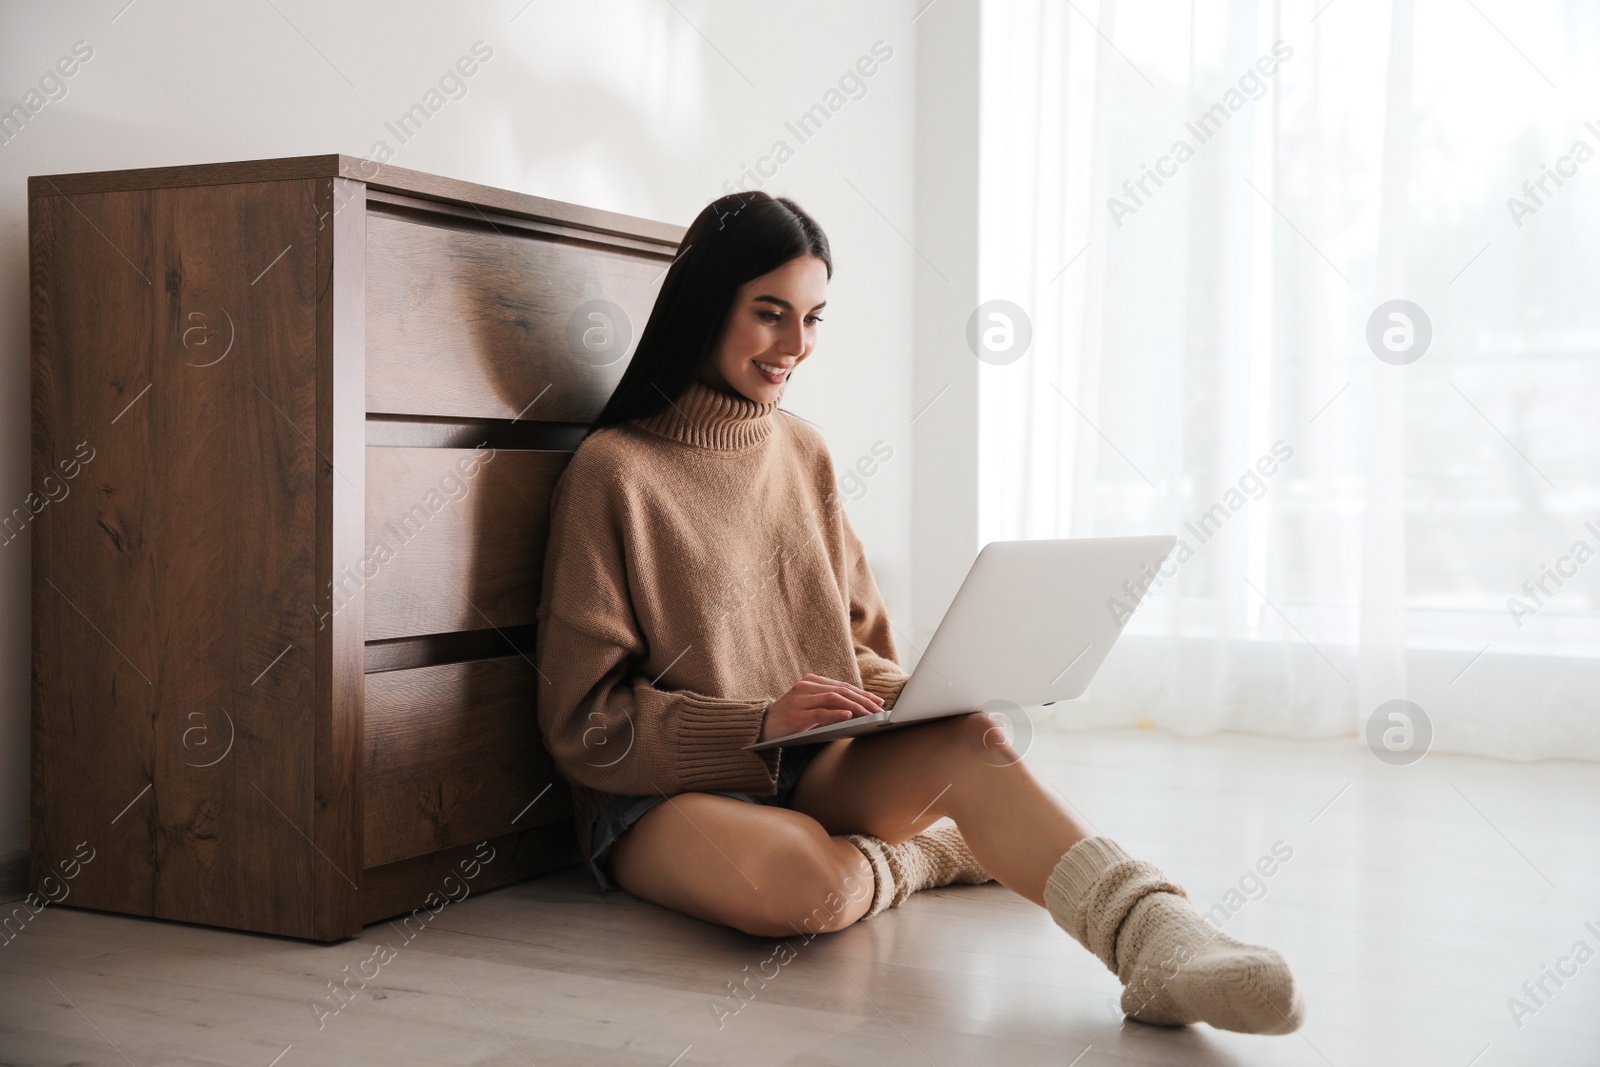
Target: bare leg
766,871
1175,967
771,871
896,784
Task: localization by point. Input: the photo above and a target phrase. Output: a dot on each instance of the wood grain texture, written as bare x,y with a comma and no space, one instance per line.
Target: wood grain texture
340,543
208,484
233,481
427,650
453,756
442,431
489,199
93,589
375,175
290,168
429,211
468,869
179,570
455,538
478,321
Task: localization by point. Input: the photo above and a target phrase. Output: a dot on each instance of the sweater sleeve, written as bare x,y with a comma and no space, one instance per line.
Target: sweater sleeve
881,673
605,725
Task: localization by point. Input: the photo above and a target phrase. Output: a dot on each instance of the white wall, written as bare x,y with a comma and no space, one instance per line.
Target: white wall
639,106
944,387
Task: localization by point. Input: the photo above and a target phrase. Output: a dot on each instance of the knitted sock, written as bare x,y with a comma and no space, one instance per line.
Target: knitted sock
932,858
1175,967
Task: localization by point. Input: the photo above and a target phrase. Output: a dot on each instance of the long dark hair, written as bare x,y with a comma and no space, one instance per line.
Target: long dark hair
736,238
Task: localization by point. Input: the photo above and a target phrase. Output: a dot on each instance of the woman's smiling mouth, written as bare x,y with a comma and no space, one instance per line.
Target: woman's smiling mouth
772,372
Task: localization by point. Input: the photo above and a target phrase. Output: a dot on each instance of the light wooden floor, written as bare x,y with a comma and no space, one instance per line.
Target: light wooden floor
1417,900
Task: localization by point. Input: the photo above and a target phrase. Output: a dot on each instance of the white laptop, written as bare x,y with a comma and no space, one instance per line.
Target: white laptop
1031,624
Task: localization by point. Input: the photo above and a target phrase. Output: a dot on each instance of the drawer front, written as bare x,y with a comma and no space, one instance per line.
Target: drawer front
499,322
453,756
455,538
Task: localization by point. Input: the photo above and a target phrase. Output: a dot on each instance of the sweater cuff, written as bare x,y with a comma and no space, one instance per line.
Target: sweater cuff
887,686
711,740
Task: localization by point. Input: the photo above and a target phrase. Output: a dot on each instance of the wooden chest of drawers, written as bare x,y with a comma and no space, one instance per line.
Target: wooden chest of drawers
295,426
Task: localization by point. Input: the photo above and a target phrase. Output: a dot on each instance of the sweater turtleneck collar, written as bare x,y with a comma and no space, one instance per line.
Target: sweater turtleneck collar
707,417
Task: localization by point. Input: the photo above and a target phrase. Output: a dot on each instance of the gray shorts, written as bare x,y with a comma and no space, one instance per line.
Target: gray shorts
623,812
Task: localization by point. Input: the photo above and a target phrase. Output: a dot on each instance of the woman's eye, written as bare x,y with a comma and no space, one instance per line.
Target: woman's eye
769,316
814,319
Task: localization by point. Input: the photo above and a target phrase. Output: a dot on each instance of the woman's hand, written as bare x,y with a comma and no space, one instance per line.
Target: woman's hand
816,701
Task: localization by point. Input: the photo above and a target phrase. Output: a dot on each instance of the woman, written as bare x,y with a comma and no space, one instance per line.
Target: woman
704,589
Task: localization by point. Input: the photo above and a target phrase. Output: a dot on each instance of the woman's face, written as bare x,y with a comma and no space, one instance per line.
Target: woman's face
770,329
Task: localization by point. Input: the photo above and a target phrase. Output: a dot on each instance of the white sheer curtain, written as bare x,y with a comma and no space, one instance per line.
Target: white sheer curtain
1353,529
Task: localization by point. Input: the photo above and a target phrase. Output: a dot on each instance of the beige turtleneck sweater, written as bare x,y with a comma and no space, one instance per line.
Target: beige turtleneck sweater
700,563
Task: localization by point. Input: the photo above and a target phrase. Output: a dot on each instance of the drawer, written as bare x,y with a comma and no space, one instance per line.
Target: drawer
499,322
453,756
455,538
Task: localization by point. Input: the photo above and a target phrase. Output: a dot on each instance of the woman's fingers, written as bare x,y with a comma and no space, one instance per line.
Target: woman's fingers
835,701
861,704
821,700
847,695
834,683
